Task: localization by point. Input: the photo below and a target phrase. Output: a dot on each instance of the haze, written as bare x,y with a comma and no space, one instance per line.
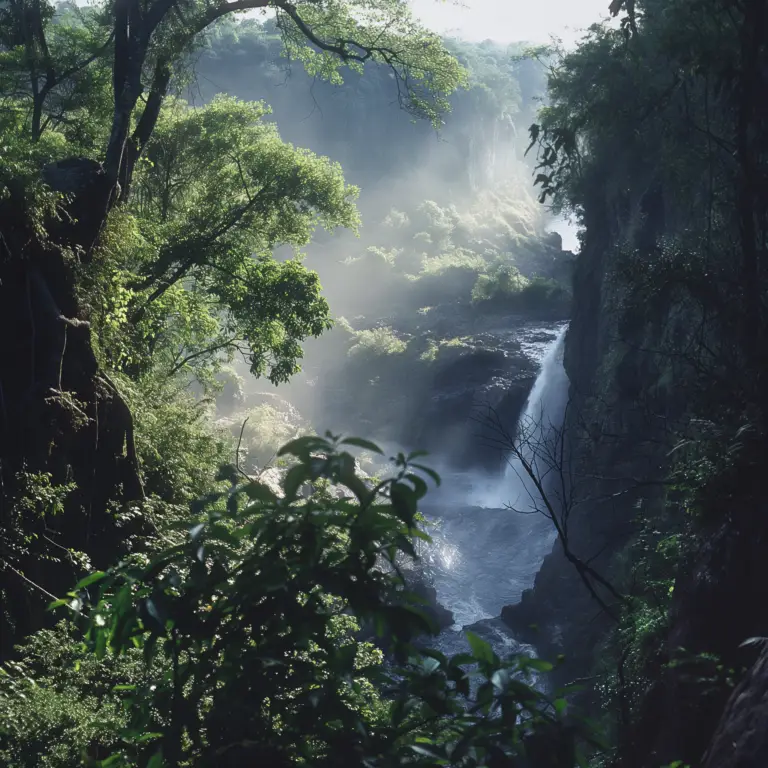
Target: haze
511,20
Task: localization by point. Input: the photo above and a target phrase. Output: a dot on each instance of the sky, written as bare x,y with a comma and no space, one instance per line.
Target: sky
510,20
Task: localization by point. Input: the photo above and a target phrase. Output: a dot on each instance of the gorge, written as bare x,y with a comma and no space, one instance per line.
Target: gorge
251,267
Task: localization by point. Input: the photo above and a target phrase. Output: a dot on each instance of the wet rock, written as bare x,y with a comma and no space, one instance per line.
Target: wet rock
439,614
498,635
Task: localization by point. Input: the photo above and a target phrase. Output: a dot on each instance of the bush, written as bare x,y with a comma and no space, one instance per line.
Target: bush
506,286
177,447
503,282
250,635
543,292
377,342
267,428
457,259
59,703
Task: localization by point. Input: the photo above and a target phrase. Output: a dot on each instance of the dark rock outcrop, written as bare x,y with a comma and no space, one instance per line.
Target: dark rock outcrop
439,614
717,606
741,738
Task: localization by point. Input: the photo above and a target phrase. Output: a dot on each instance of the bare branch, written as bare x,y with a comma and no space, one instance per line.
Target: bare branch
237,451
537,451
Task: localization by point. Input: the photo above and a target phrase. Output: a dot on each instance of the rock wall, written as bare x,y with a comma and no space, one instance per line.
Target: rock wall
616,440
741,739
628,409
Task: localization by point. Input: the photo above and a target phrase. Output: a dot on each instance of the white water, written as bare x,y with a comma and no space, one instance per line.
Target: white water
483,559
538,428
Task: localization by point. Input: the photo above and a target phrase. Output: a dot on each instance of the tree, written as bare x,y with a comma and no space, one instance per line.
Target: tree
83,93
217,191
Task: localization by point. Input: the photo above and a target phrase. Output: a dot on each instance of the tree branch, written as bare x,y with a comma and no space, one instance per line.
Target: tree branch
208,350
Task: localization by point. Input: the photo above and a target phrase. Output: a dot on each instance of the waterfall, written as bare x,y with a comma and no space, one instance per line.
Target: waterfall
550,390
484,555
542,418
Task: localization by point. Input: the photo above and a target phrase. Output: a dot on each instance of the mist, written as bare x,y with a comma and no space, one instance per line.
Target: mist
450,302
423,294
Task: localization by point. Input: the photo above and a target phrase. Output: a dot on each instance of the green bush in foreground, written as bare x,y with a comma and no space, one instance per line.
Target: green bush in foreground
251,634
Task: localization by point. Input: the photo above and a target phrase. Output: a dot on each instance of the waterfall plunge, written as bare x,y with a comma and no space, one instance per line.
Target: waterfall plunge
485,558
540,421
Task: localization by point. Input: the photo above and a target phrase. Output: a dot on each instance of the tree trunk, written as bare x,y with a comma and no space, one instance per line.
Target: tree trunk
58,413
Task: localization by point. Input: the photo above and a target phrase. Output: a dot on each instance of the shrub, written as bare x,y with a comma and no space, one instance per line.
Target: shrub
377,342
255,621
267,428
456,259
429,355
177,447
59,703
541,292
506,285
504,281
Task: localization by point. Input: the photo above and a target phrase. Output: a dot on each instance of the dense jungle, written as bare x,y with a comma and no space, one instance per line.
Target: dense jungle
374,397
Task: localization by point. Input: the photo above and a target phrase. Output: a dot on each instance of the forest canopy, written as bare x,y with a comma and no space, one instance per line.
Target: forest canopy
138,233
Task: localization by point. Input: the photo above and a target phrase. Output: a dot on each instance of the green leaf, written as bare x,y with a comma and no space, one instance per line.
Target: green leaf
258,491
428,471
145,737
364,444
500,679
90,579
301,447
404,502
538,664
480,648
196,531
462,659
294,479
420,487
431,751
111,762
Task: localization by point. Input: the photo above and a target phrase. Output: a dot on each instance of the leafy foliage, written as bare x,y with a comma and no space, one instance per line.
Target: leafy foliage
376,342
59,704
188,279
27,543
176,443
251,630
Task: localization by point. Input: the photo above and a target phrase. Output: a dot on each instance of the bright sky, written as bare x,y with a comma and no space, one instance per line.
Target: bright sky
511,20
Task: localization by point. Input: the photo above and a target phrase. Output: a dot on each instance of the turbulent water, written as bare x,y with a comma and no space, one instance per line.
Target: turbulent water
484,554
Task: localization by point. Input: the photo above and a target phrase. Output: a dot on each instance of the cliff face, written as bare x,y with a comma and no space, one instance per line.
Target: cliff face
627,411
741,738
363,126
616,433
